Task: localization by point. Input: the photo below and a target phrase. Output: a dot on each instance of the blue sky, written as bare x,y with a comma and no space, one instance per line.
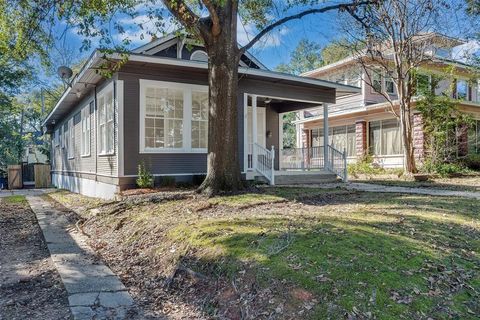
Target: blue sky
274,49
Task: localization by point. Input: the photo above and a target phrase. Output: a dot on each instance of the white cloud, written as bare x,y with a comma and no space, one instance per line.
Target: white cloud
248,31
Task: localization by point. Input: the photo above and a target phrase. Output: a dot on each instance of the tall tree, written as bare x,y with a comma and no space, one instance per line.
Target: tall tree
335,51
391,40
306,56
214,22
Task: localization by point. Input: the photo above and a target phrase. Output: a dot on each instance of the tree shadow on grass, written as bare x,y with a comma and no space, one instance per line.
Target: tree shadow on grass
383,267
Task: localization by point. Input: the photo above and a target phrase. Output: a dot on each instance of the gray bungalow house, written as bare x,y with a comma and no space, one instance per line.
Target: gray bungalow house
154,110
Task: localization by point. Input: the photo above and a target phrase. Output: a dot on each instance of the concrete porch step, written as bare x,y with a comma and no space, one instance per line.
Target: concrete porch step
301,177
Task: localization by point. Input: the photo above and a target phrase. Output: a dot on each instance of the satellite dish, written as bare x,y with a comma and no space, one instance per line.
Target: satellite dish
64,73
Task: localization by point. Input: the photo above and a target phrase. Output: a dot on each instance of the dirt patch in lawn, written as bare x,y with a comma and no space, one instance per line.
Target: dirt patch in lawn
292,253
30,287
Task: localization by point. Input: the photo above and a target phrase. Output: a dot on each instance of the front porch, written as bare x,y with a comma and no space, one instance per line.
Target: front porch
265,157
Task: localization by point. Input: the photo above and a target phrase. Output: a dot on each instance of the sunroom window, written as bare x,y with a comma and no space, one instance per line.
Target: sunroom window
199,119
164,118
105,122
174,117
385,138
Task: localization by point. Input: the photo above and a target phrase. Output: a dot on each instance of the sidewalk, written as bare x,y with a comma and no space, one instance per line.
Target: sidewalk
370,187
94,291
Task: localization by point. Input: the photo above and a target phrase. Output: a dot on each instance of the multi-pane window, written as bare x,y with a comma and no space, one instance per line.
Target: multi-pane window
86,125
389,85
164,118
106,123
70,139
377,81
474,138
174,117
199,120
461,89
339,137
384,137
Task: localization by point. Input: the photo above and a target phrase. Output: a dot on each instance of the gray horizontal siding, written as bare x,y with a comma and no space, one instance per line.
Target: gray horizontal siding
102,165
157,163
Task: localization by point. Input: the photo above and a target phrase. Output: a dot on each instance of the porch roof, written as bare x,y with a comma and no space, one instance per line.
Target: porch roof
88,77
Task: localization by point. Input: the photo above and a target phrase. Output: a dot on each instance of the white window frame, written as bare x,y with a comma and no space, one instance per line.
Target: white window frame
103,139
71,140
86,127
187,115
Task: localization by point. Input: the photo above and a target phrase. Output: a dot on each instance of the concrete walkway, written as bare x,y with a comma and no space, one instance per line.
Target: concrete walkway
94,291
369,187
24,192
425,191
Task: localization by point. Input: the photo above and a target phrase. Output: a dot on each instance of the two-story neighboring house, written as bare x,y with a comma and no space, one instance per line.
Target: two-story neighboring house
363,123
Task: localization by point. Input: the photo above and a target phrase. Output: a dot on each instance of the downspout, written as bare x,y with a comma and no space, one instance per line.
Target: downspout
95,131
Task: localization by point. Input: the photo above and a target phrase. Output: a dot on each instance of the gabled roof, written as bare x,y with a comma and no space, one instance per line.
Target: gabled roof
167,41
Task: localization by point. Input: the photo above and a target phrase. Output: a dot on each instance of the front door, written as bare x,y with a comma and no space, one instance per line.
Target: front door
261,132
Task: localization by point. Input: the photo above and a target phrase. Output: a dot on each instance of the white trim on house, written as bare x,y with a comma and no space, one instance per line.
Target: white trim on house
187,90
120,126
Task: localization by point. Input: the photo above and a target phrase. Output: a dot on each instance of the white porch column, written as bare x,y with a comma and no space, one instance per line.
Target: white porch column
254,131
325,136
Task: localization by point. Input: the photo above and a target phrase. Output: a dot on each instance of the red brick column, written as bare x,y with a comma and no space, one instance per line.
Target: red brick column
361,138
462,140
418,137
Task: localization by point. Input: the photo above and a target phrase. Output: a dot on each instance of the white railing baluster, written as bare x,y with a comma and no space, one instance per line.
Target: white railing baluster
264,162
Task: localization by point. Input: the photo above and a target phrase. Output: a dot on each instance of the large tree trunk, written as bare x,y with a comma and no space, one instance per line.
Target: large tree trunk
223,172
407,138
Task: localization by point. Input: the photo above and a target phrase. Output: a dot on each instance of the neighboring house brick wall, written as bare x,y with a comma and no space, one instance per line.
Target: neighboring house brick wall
418,137
361,138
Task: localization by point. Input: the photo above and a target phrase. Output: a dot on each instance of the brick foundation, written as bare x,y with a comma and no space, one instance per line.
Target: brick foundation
361,138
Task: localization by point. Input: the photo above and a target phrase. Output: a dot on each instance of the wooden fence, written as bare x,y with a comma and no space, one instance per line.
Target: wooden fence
15,177
42,175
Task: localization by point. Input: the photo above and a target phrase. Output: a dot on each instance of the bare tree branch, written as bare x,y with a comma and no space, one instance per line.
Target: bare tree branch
341,6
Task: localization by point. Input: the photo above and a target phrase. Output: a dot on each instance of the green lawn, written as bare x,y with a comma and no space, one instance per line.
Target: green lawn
15,200
384,256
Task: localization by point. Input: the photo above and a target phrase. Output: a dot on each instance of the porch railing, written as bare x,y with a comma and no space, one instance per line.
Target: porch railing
337,162
263,162
302,158
313,158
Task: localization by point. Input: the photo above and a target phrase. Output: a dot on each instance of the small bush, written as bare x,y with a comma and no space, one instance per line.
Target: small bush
167,182
365,166
145,178
443,169
472,162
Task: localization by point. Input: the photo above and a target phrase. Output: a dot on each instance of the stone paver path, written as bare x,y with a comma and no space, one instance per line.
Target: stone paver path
94,291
